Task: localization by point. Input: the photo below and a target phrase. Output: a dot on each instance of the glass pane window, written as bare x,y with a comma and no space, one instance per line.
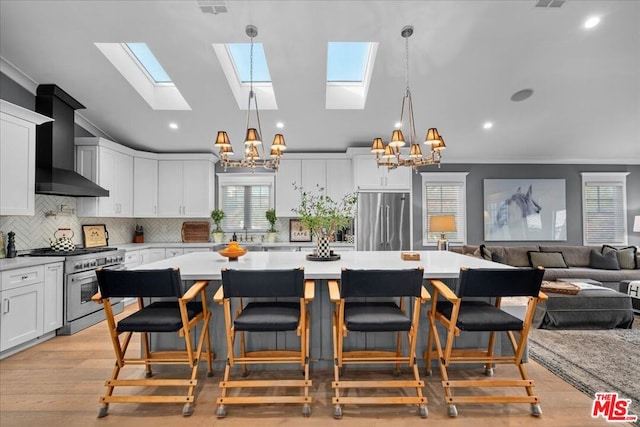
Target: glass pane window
244,207
604,208
444,194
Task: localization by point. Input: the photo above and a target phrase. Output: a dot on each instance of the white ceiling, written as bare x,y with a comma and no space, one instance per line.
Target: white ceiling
466,60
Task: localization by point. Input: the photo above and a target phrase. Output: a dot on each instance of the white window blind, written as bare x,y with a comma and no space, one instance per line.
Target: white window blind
444,194
604,213
245,201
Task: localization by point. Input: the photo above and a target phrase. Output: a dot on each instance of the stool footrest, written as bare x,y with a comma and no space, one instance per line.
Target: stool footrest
376,384
265,383
152,382
262,399
147,399
382,400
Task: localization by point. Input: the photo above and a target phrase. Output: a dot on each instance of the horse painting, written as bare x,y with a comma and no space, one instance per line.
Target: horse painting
516,208
513,210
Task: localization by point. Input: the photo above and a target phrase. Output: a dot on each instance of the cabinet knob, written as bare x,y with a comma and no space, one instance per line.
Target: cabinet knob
25,277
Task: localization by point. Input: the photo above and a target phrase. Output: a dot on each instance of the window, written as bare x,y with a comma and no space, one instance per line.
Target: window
347,61
149,62
245,200
444,193
241,57
604,208
349,71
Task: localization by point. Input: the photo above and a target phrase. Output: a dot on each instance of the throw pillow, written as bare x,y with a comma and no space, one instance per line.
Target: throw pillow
626,256
608,261
546,259
485,253
498,258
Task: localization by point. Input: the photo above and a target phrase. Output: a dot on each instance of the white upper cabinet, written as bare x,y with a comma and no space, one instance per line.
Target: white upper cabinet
314,176
186,185
320,175
339,178
109,165
145,187
287,197
18,158
368,176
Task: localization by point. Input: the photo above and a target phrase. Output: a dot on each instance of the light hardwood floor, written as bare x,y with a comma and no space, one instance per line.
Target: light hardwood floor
58,383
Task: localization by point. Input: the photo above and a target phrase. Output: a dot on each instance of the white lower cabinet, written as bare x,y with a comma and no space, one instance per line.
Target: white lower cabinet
173,252
132,259
31,299
53,303
151,255
21,315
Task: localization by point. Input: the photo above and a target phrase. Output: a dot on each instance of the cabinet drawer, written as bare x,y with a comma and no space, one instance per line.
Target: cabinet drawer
22,277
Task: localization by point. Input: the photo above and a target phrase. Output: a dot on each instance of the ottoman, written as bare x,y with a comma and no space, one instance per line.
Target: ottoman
633,290
594,307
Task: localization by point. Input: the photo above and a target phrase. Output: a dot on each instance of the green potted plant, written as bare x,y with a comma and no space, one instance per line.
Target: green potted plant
272,233
217,215
324,216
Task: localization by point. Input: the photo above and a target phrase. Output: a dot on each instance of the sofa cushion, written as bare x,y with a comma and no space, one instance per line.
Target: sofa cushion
469,249
517,255
495,255
546,259
626,256
604,276
608,261
574,256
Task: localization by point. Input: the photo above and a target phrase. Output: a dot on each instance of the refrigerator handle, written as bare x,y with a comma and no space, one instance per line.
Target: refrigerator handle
381,225
388,224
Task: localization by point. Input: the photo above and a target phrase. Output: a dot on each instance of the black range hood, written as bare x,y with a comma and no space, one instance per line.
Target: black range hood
55,147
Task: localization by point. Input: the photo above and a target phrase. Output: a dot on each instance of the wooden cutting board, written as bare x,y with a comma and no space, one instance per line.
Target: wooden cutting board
195,231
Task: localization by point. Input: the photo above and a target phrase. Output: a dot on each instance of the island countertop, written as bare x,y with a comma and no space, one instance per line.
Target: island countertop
207,265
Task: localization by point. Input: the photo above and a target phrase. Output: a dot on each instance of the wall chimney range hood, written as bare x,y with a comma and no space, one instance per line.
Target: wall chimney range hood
55,147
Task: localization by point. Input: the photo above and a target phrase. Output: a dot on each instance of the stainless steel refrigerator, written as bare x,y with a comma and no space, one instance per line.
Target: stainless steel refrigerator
383,222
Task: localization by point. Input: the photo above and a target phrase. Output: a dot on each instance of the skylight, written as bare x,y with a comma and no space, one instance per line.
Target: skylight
349,70
149,62
142,70
235,61
240,55
347,61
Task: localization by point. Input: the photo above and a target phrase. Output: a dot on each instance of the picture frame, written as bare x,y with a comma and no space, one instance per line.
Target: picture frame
525,210
298,232
95,235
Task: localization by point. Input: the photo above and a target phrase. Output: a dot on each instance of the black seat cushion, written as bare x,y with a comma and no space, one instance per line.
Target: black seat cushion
375,317
158,317
480,316
268,316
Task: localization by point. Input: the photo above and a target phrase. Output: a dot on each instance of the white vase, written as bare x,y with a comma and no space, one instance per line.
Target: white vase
218,237
271,237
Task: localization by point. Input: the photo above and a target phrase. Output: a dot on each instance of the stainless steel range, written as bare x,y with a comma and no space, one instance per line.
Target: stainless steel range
80,284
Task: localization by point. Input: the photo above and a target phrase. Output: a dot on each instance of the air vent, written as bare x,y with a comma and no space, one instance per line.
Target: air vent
213,6
550,3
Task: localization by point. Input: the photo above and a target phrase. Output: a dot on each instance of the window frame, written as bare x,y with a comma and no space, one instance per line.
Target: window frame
451,178
242,179
616,178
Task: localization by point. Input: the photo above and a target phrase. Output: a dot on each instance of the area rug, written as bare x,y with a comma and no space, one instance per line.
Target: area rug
592,360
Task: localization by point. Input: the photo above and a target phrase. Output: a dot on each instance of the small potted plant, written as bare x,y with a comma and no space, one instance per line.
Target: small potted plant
324,216
272,233
217,215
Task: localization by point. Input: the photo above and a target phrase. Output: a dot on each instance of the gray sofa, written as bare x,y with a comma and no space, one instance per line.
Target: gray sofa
577,259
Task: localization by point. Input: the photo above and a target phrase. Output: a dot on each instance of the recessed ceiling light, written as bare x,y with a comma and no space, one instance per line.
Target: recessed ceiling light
487,125
592,22
173,125
279,125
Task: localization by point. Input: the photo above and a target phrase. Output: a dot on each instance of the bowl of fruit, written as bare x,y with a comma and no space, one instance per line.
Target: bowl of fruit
233,251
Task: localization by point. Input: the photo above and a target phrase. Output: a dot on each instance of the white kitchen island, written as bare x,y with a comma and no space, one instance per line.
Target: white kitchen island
208,265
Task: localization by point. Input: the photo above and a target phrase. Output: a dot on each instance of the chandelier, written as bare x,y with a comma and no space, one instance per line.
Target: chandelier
252,157
390,155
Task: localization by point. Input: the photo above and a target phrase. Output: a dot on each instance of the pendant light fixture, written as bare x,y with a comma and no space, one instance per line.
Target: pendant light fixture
391,155
252,158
